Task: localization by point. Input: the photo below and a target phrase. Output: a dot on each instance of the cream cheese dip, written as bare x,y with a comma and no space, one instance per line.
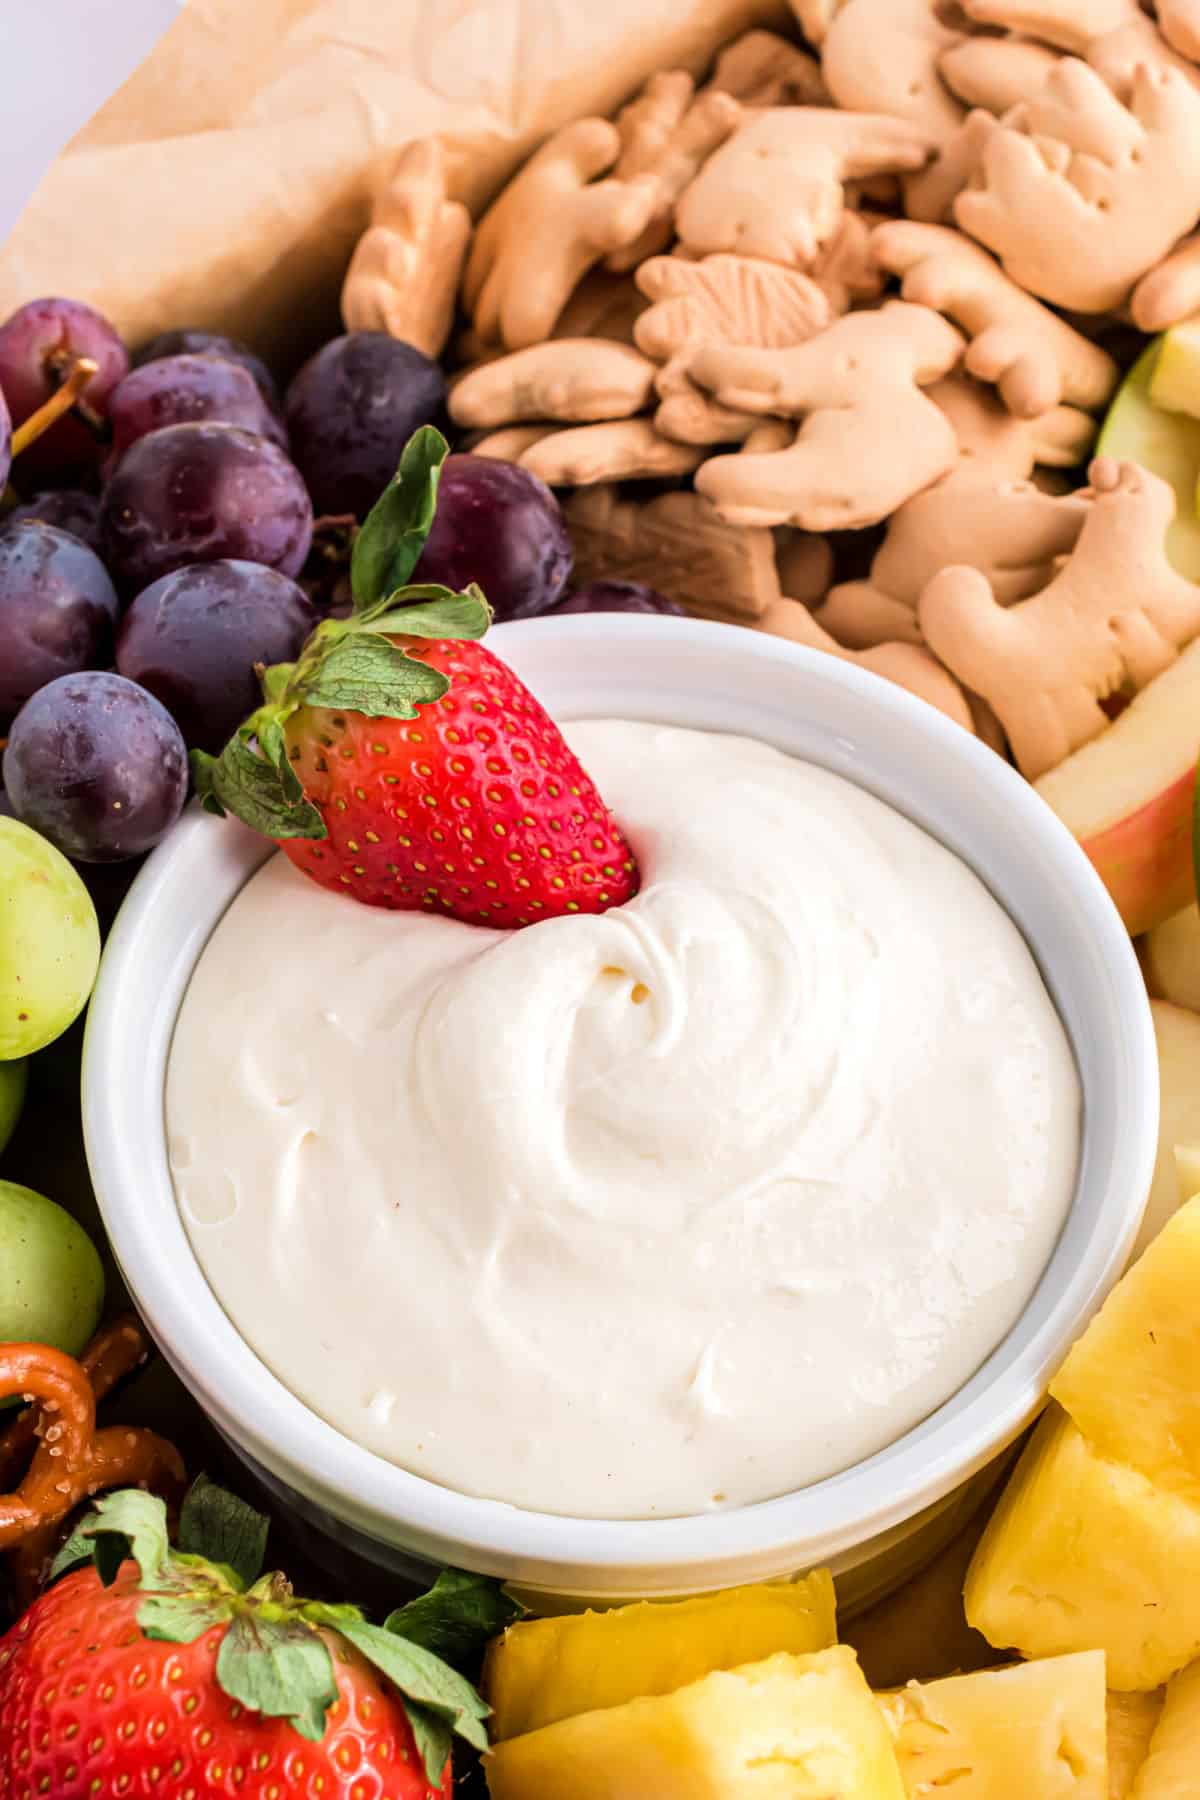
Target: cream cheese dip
675,1208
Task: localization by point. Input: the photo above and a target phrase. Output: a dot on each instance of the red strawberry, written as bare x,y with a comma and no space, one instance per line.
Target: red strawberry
399,761
177,1682
476,808
90,1707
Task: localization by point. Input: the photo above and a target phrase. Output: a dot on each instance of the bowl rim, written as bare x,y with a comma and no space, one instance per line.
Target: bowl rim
395,1507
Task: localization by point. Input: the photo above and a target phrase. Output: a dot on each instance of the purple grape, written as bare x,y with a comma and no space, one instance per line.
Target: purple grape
179,390
69,508
57,610
38,346
97,765
193,639
210,343
197,493
502,527
350,412
617,596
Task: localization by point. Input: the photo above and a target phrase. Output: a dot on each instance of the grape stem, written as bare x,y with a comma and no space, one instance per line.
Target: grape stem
51,410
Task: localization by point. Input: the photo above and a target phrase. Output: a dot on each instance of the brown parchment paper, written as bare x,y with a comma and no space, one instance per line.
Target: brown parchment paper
225,184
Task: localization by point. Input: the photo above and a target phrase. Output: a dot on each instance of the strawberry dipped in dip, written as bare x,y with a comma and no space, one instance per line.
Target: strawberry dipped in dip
697,1169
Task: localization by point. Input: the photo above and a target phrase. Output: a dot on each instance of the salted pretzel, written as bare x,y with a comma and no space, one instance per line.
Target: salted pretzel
115,1352
72,1460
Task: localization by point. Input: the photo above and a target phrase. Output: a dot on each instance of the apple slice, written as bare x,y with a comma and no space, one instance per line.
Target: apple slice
1168,443
1177,1034
1127,796
1171,959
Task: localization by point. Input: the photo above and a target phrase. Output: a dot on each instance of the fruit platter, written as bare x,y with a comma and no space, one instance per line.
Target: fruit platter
599,947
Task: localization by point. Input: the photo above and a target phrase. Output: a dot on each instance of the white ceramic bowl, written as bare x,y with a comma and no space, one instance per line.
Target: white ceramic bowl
873,1517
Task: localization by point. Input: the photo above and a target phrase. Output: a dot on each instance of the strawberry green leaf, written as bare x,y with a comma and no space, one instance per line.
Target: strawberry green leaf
433,1739
388,548
256,791
443,615
280,1668
223,1529
368,675
182,1618
457,1617
129,1523
420,1676
77,1550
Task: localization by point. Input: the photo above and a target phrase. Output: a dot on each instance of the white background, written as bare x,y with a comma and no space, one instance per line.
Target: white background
59,62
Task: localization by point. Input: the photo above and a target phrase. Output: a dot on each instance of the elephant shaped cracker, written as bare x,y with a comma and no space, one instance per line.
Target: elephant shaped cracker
1080,194
403,276
1035,359
1115,616
870,438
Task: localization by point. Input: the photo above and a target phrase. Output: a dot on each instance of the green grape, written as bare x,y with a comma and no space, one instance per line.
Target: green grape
51,1282
49,941
12,1097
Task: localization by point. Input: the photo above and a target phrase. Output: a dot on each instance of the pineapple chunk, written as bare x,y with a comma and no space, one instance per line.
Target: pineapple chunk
1171,1770
789,1728
549,1669
1084,1554
1131,1722
1038,1729
1132,1382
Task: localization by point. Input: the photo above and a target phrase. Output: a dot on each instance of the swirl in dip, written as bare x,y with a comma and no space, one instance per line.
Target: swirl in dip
679,1207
